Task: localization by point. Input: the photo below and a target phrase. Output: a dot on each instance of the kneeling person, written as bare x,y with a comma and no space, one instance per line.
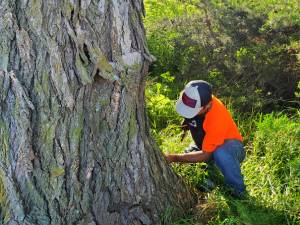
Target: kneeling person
213,131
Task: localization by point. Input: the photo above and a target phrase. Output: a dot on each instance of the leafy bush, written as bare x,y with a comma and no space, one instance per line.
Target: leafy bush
161,109
247,50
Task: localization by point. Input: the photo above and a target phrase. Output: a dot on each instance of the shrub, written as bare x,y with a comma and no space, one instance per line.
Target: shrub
161,109
249,51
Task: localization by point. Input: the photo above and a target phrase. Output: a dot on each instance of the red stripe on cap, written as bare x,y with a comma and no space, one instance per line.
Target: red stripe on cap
188,101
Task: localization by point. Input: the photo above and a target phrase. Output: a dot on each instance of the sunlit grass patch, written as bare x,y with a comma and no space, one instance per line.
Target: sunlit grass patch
272,169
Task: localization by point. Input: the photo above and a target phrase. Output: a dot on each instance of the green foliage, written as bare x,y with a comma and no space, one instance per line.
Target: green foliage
160,108
184,222
279,13
272,170
298,90
248,50
159,21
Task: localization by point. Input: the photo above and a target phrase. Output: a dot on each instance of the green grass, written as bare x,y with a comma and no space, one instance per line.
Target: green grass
272,170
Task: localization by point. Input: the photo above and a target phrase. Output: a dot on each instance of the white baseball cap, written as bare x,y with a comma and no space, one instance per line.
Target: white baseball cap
195,95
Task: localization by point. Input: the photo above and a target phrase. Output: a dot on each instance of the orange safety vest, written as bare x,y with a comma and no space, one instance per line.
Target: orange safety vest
218,126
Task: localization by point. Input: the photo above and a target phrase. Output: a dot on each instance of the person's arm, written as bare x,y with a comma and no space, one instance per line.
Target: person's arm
191,157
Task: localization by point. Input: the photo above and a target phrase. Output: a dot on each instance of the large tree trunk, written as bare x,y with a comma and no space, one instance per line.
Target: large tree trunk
75,146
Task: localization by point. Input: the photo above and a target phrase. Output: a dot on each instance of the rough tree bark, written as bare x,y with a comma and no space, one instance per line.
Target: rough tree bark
75,146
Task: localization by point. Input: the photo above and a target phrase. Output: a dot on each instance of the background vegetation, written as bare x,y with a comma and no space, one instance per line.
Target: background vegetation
250,52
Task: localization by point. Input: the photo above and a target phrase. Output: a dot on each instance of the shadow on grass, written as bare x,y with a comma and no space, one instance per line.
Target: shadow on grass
249,211
219,208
